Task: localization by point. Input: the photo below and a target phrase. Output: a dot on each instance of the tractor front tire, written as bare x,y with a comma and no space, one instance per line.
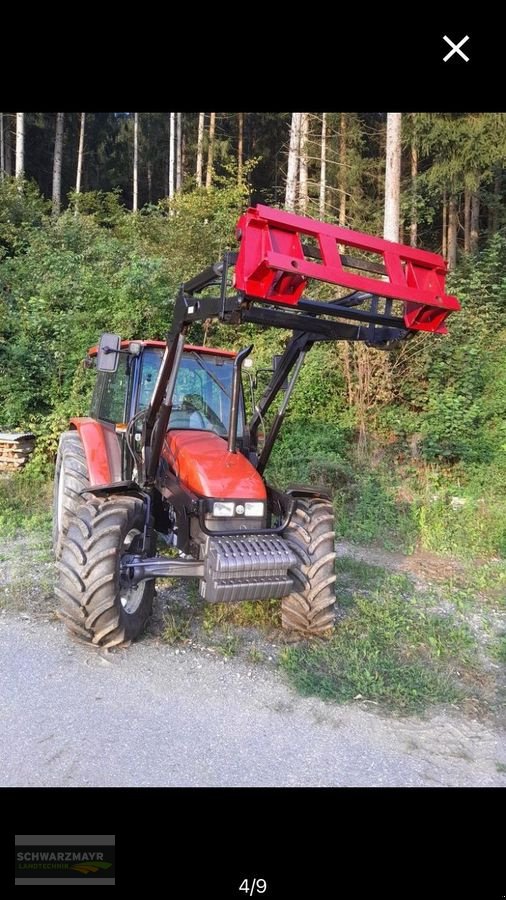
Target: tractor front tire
95,605
310,608
71,477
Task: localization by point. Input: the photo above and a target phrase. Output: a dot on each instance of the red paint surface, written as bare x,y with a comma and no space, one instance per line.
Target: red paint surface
95,443
201,461
271,266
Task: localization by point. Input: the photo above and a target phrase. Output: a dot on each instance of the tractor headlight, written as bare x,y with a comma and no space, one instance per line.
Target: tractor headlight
221,508
224,508
254,509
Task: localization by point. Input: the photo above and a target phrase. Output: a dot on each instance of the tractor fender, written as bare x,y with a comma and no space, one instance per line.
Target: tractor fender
308,491
101,448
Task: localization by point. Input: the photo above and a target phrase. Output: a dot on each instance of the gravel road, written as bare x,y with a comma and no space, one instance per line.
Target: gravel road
155,716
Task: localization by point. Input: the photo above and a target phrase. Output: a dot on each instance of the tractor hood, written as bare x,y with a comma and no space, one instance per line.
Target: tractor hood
202,463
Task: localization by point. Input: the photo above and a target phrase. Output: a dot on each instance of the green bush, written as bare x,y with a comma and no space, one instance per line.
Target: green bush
25,502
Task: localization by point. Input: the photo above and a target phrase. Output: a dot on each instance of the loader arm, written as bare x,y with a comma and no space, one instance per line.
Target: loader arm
396,291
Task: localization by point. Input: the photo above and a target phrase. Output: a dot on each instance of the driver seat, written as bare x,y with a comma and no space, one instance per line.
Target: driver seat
187,416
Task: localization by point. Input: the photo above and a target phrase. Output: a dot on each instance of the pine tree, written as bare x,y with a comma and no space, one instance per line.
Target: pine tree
392,177
57,163
200,149
293,162
210,150
20,145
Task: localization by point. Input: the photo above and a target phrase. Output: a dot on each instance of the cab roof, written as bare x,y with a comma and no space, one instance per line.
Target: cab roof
161,344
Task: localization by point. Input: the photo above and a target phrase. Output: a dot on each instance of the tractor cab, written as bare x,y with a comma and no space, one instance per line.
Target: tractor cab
202,392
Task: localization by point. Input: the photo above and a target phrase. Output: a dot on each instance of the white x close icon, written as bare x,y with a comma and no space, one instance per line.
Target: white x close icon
455,48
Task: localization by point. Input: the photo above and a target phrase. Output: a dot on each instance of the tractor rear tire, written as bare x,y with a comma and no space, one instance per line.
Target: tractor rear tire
310,608
95,605
71,477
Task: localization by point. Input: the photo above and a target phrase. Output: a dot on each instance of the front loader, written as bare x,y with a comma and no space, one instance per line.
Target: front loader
167,459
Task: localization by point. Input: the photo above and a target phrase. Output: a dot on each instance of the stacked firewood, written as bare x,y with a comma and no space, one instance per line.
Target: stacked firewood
15,449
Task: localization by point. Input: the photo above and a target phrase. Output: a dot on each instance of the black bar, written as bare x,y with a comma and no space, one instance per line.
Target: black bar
353,262
299,343
236,395
356,298
275,318
135,569
203,279
158,432
361,315
115,487
278,421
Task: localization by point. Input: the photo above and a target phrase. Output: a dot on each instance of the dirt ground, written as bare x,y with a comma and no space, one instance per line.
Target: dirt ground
232,672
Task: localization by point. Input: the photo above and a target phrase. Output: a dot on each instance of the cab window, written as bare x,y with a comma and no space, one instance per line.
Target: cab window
109,396
202,393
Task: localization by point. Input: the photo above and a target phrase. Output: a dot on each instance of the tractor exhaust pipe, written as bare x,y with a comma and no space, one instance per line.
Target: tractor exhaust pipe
236,393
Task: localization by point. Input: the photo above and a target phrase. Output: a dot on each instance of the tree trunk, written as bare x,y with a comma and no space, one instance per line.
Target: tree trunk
57,164
475,222
165,175
392,177
2,150
8,144
210,152
172,152
179,127
343,181
80,154
136,162
293,163
240,148
200,149
494,225
323,166
452,232
445,225
303,188
20,145
149,173
413,228
467,220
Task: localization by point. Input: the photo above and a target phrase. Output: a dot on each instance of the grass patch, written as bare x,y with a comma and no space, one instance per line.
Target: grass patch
357,577
255,655
30,593
262,614
25,503
363,575
367,577
229,644
499,649
369,510
176,627
386,651
488,579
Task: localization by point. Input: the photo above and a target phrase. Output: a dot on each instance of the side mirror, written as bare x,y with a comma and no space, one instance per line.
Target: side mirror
108,352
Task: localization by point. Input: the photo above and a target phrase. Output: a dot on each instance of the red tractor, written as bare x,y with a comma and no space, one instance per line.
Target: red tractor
167,455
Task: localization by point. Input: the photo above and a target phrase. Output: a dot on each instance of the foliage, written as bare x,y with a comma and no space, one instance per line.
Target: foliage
21,211
387,651
25,502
